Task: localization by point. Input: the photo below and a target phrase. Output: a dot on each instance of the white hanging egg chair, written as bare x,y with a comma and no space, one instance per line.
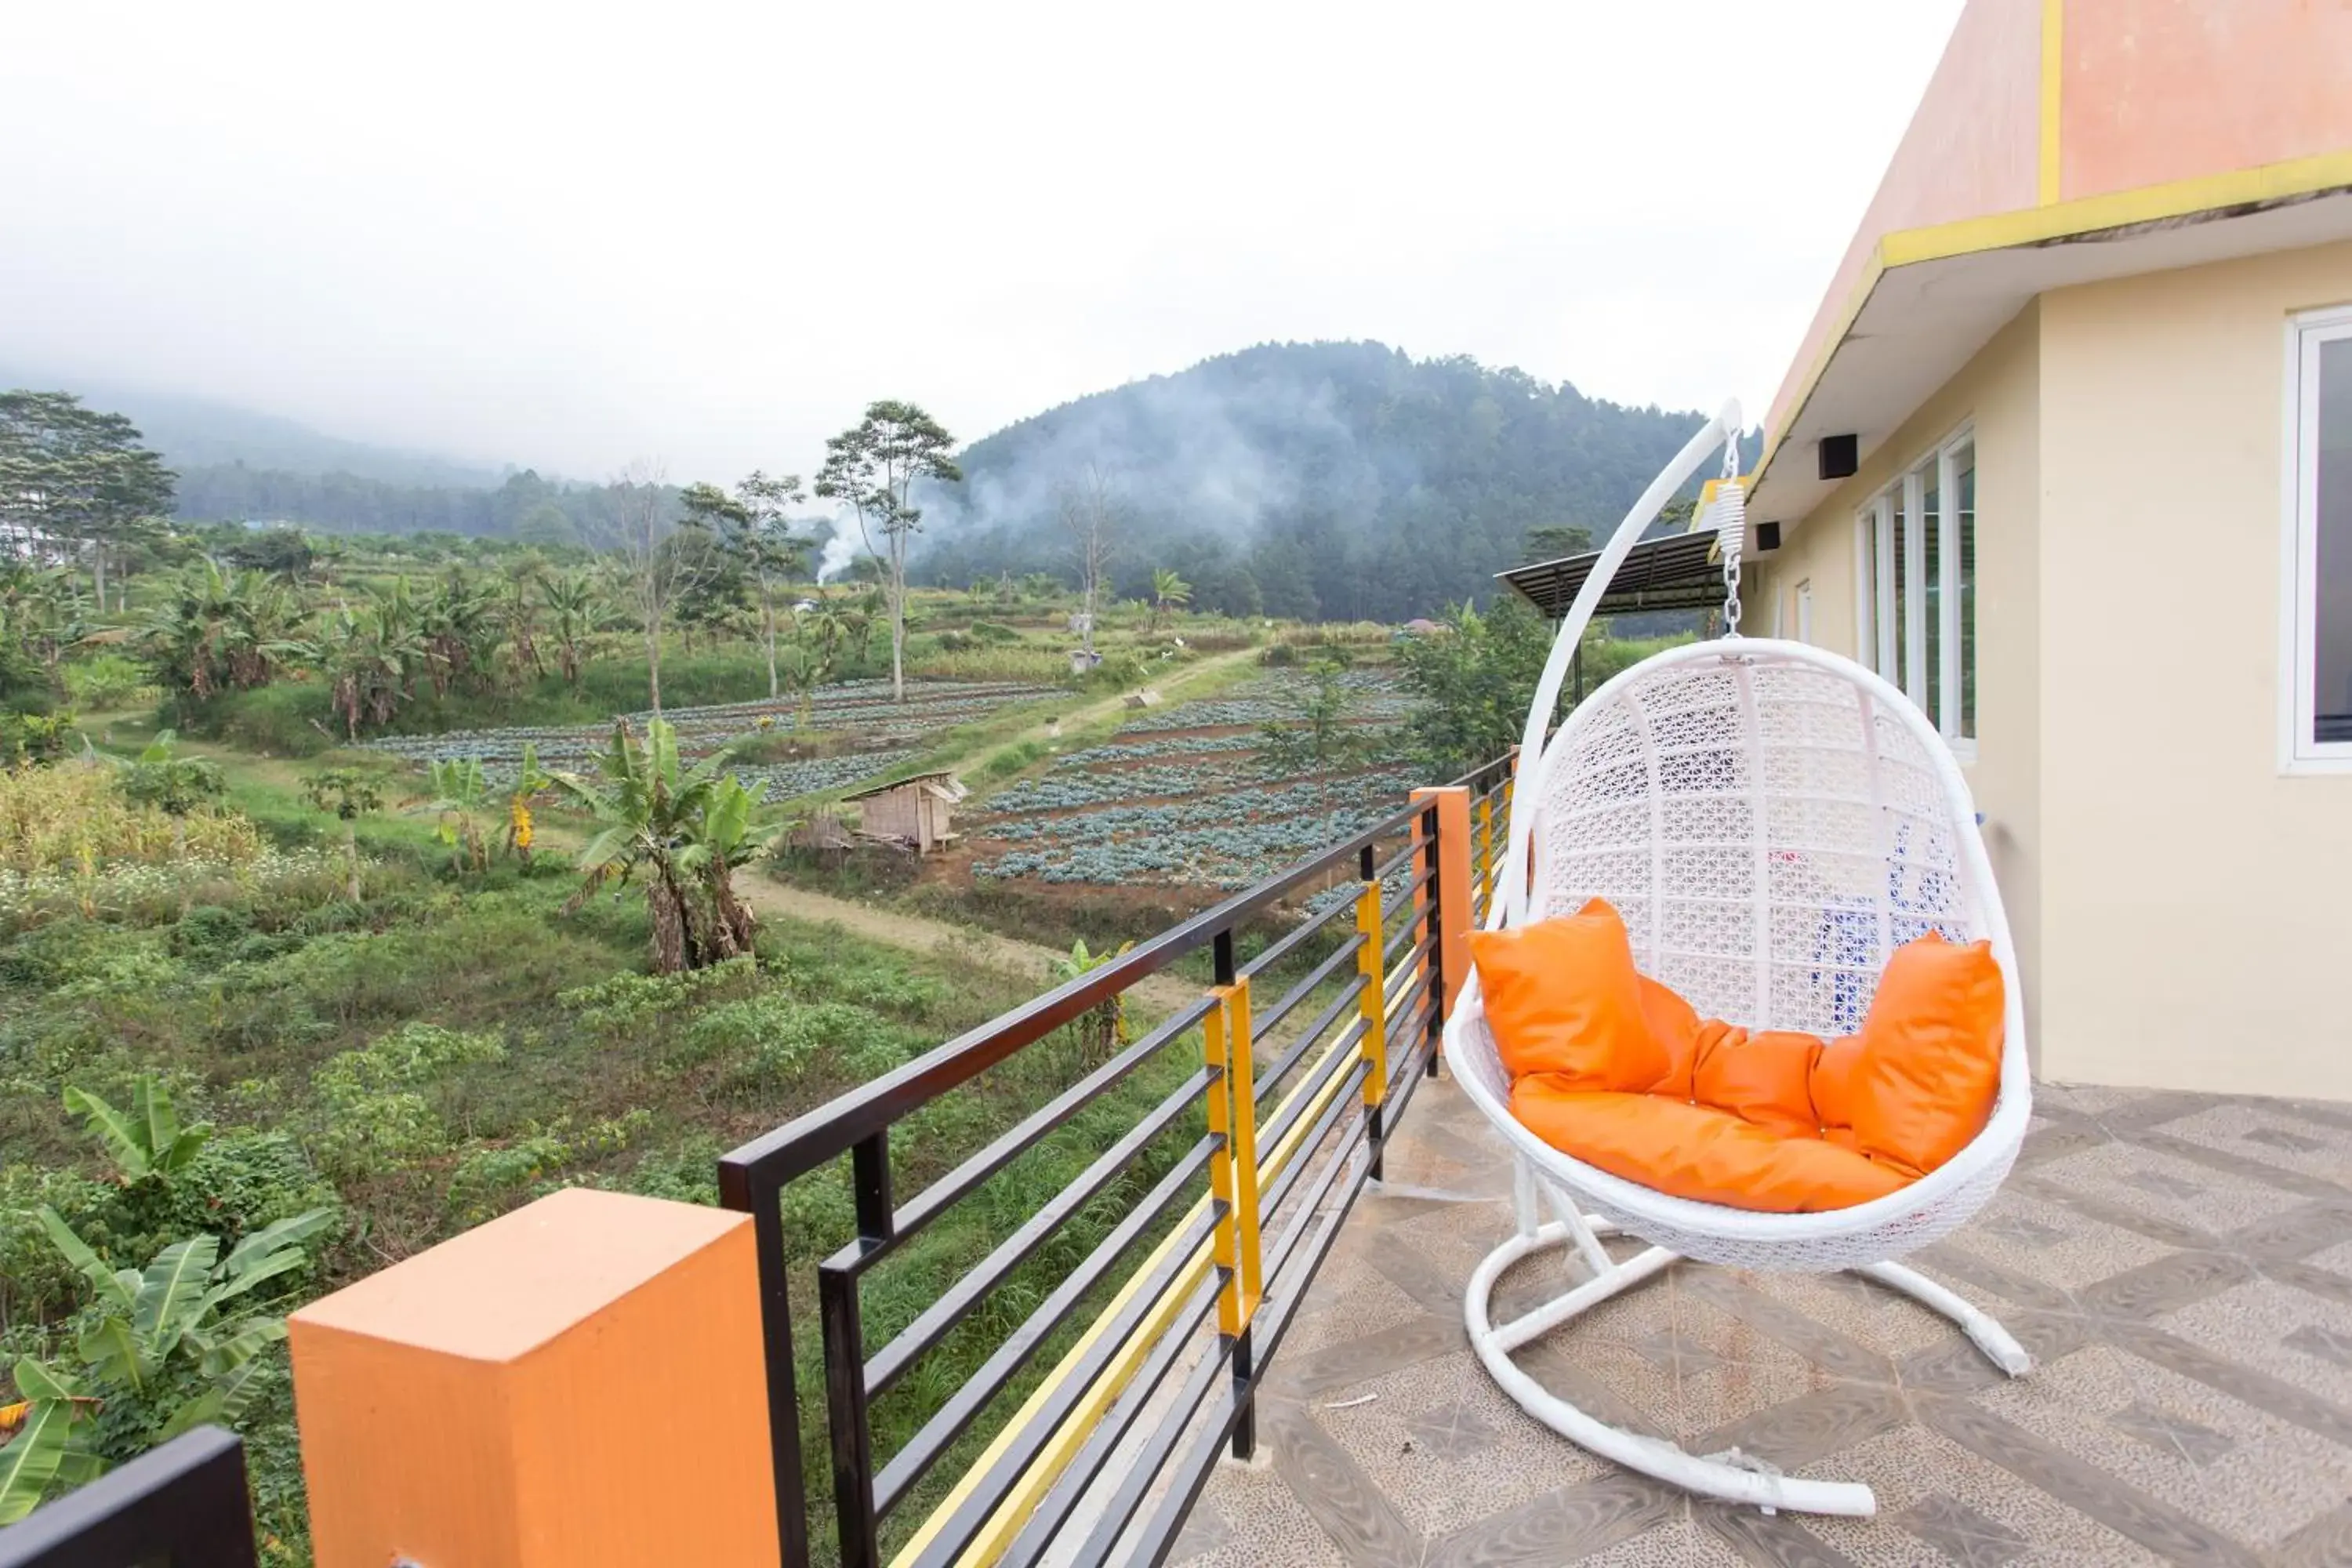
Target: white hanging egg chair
1772,820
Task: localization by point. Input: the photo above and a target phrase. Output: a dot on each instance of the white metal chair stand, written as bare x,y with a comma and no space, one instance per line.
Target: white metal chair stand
1772,821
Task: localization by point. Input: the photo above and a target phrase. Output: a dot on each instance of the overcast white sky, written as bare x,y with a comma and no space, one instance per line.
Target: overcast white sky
568,236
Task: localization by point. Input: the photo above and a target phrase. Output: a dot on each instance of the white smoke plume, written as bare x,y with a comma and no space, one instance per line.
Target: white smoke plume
839,552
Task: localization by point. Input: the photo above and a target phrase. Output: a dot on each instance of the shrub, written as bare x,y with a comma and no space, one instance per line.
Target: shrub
209,934
108,680
993,633
379,1113
489,1180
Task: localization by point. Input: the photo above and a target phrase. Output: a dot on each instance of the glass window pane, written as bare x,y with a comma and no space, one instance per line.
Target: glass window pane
1931,508
1964,481
1865,636
2332,613
1899,616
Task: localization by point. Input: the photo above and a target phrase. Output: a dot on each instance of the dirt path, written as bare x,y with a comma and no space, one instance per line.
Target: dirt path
916,934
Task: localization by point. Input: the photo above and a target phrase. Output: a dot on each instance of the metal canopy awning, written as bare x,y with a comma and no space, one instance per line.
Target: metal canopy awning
1677,571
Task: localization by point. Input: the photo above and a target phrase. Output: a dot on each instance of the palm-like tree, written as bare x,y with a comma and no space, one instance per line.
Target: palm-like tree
460,623
520,602
370,657
577,610
225,631
687,829
802,669
1169,592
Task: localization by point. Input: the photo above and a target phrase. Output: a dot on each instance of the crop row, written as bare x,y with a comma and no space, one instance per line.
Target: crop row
786,780
1224,806
1231,854
1175,745
1374,695
865,711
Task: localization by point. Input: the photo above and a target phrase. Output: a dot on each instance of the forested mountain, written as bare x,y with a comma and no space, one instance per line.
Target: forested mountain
1325,480
1339,481
523,506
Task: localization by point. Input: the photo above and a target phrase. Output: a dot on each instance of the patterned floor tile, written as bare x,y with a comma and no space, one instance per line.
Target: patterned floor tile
2181,1265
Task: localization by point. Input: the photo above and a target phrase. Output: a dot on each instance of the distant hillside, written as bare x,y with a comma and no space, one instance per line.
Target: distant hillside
1334,480
197,433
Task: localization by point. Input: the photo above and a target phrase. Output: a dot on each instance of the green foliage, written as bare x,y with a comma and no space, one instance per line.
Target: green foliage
106,680
1317,729
489,1180
346,792
161,1349
174,784
146,1142
1474,679
379,1100
1101,1030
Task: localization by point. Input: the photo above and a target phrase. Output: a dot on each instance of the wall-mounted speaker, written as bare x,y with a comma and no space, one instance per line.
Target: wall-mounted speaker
1768,537
1841,456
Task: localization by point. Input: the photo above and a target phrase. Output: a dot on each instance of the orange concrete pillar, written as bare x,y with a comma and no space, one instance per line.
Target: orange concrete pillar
1452,883
575,1385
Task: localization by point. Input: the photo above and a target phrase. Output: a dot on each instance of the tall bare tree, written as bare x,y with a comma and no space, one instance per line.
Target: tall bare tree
1090,507
872,468
655,571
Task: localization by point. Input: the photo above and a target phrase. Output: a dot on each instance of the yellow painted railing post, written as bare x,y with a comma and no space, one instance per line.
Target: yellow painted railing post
1233,1179
1224,1248
1485,867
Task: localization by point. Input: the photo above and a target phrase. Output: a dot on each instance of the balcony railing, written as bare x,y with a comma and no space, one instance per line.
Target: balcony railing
182,1505
1116,1436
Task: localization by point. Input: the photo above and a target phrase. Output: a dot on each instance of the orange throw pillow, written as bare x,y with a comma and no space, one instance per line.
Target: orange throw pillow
1699,1152
1927,1069
1562,997
1761,1078
1674,1026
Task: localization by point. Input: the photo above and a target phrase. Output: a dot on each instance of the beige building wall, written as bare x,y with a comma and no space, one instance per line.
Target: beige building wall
1999,396
2193,911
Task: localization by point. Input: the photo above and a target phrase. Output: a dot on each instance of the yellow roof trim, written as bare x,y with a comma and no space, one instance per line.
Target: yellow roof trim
2063,220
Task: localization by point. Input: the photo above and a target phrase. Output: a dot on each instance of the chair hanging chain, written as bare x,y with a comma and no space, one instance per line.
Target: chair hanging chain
1731,532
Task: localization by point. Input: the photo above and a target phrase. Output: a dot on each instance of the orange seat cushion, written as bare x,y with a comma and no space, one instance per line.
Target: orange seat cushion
1562,997
1699,1151
1928,1067
1616,1068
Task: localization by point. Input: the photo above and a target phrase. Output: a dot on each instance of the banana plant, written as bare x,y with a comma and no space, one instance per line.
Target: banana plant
184,1314
461,797
687,828
147,1140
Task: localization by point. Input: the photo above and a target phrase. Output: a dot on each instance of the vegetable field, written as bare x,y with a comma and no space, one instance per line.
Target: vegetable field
1202,795
866,733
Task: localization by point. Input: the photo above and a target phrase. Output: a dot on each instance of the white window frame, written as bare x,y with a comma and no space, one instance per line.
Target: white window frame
2299,552
1875,633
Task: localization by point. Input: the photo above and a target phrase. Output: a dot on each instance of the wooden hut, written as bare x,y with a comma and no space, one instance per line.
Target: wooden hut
915,811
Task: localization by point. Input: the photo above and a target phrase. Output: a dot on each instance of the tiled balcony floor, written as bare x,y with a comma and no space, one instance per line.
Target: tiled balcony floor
2180,1266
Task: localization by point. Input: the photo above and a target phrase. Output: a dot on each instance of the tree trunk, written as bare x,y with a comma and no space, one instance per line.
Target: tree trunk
97,566
652,664
768,627
1089,614
899,617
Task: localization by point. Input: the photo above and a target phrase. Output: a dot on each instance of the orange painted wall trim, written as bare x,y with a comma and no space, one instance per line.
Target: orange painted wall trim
1454,890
